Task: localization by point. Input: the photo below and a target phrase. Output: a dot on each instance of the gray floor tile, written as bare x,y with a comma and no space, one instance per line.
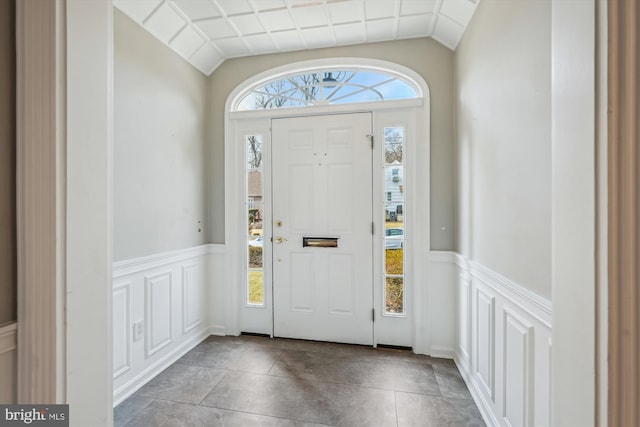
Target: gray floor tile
233,356
160,413
128,409
302,400
182,383
361,371
450,382
423,411
247,381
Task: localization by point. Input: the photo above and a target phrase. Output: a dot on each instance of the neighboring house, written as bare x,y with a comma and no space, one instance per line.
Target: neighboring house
394,188
255,194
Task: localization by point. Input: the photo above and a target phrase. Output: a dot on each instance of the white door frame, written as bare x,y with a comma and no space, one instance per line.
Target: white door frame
419,193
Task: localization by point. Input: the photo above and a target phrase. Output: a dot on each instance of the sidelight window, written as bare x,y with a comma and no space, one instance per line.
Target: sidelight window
254,211
394,290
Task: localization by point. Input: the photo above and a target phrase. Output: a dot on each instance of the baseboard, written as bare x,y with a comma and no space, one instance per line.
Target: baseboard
483,406
442,352
218,330
160,365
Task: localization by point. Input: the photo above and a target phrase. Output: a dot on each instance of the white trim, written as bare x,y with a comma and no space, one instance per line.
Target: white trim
89,210
126,288
149,307
393,104
573,211
133,265
186,301
537,305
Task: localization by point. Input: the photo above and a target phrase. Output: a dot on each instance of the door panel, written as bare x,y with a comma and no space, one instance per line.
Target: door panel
322,187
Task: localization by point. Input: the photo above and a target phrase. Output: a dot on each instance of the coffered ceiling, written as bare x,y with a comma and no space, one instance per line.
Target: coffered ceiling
206,32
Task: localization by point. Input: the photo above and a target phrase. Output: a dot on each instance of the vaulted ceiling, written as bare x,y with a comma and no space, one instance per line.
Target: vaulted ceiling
206,32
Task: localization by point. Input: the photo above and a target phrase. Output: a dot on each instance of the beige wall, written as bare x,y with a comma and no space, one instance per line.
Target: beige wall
159,146
503,84
425,56
7,163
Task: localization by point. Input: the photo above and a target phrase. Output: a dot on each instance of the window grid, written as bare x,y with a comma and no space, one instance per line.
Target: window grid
326,87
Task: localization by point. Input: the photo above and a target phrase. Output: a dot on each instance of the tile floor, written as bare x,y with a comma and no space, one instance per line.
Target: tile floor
255,381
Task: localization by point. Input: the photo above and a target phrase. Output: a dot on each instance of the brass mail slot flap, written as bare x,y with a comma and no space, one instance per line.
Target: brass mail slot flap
320,242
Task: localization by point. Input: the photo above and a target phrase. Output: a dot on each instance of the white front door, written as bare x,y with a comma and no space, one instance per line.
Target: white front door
322,228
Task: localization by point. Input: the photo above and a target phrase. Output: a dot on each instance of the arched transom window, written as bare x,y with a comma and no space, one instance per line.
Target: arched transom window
326,87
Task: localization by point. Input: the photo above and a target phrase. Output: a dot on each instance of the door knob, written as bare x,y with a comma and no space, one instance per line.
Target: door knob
280,239
278,223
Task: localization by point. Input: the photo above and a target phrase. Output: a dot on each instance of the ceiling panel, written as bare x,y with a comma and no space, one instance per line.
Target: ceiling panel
217,28
409,7
278,20
234,7
262,5
138,10
206,32
198,9
380,9
164,23
381,29
187,42
309,17
319,37
288,40
346,11
349,33
460,11
447,31
247,24
232,47
261,43
414,25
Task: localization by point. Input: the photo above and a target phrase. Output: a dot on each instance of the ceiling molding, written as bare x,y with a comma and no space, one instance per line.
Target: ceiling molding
207,32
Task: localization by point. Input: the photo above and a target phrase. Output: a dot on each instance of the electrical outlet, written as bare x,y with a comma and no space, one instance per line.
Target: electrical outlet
138,330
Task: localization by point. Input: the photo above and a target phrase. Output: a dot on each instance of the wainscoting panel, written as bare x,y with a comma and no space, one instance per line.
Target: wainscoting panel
516,370
191,301
504,346
464,310
8,363
484,343
121,328
158,314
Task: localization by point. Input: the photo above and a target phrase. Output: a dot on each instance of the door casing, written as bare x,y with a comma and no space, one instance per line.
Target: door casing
414,113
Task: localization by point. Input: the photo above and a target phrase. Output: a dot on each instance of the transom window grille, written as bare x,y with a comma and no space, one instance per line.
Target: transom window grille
328,87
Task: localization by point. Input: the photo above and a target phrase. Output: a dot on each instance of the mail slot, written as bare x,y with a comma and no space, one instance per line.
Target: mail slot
320,242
